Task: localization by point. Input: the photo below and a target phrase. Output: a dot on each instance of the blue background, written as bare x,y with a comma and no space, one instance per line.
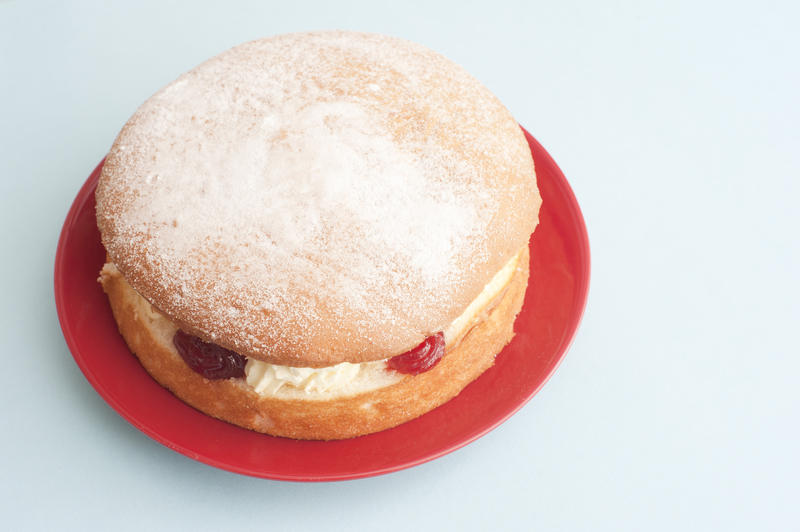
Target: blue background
677,406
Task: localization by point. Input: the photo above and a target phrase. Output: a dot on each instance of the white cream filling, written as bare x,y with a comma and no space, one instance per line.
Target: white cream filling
272,380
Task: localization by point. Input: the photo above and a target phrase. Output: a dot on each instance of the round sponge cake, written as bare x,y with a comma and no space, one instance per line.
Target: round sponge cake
318,198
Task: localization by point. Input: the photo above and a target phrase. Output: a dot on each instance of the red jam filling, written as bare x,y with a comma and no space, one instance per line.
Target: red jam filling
214,362
421,358
209,360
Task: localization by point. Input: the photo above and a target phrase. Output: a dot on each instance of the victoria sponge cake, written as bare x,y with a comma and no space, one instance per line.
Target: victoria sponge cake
318,235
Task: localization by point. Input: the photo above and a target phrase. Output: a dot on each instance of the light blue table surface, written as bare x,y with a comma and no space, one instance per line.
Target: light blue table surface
677,406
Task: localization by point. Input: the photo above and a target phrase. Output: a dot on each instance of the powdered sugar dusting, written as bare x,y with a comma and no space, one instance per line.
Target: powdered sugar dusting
306,187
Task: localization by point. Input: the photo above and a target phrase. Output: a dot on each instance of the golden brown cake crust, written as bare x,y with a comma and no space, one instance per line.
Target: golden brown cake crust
369,114
233,401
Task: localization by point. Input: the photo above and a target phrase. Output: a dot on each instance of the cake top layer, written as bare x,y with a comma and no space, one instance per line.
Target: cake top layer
314,198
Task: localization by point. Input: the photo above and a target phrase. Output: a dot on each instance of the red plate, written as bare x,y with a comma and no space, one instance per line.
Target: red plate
553,307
